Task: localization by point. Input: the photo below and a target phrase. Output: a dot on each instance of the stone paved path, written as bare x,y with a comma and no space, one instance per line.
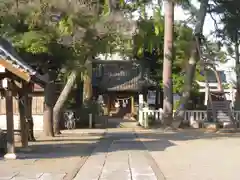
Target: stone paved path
120,157
194,154
51,158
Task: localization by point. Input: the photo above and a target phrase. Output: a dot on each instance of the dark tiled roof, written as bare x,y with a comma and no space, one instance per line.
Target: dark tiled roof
8,53
120,76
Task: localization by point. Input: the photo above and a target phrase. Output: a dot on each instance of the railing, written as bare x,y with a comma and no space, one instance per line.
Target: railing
190,115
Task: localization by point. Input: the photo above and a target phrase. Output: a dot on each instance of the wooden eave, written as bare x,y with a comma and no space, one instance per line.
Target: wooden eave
22,73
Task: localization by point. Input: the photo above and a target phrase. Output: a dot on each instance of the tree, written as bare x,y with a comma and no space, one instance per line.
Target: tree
194,58
229,33
62,99
37,31
167,62
103,29
149,44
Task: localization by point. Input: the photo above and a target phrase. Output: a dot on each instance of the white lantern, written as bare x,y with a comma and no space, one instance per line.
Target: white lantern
100,99
5,83
117,104
124,104
2,69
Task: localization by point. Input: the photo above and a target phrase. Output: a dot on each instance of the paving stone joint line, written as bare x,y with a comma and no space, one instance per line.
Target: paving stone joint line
129,166
152,162
91,149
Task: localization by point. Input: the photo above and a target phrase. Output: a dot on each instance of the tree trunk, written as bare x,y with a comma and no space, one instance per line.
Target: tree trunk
62,99
219,81
49,101
167,63
87,90
191,67
237,64
79,93
87,84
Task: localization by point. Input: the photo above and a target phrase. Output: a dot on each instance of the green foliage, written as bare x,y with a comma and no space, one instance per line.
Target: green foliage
35,42
176,104
150,38
229,33
68,33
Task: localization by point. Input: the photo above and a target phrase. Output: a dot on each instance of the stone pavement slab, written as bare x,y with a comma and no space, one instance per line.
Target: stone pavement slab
194,155
51,158
121,157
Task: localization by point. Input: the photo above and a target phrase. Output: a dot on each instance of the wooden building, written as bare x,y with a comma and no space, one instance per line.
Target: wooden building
119,83
19,77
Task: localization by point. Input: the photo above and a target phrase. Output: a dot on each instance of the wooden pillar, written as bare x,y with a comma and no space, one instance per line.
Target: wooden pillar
10,126
140,108
28,111
23,104
21,110
132,105
108,104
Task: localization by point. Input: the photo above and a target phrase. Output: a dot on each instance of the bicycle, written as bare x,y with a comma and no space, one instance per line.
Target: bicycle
70,120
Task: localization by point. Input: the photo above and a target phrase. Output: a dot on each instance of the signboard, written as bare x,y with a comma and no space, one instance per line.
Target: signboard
151,97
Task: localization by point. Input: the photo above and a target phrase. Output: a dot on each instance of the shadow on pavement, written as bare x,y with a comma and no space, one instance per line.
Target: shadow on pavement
72,145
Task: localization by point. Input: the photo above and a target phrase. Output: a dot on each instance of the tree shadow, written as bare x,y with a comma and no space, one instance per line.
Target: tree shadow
115,142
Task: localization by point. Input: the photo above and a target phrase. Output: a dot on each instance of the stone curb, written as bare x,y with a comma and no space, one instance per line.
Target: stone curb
71,175
157,171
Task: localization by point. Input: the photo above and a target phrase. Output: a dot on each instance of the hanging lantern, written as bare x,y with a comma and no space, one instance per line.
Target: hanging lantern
117,104
124,104
100,99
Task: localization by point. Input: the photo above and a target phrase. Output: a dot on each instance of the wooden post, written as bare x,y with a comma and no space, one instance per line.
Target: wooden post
146,120
108,104
140,108
23,120
10,126
28,112
132,105
90,121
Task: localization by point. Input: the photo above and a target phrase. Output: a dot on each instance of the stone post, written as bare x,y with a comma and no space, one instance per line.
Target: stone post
140,108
